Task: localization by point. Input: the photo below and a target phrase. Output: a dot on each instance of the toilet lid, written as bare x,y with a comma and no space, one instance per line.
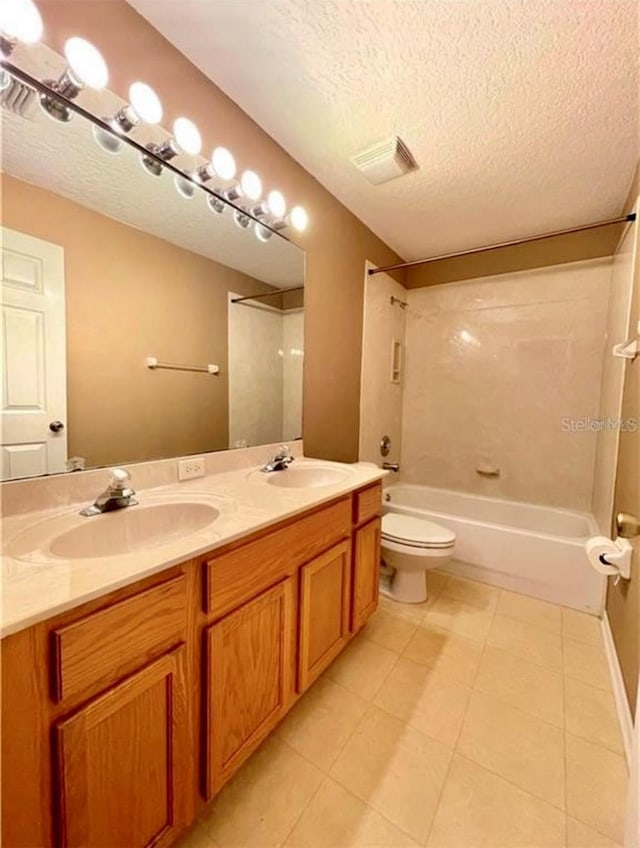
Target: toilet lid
418,532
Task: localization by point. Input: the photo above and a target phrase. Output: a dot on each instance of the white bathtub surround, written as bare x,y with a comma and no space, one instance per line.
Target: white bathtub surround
534,550
618,330
255,373
292,364
37,585
380,396
497,371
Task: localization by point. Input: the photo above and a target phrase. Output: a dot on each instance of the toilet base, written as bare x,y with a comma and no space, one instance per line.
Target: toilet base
408,587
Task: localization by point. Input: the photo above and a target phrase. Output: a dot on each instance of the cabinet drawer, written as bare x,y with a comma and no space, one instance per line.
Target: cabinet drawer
240,574
367,504
99,649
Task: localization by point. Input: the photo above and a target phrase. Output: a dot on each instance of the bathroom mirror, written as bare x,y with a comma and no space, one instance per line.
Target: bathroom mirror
105,266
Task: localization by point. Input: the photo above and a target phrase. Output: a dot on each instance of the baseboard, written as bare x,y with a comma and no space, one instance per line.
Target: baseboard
622,704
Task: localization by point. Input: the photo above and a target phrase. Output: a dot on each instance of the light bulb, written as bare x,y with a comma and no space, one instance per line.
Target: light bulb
187,136
251,185
223,163
86,65
262,233
145,103
20,20
277,204
299,218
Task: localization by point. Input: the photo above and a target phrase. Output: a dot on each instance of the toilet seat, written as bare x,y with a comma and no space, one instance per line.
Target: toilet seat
412,532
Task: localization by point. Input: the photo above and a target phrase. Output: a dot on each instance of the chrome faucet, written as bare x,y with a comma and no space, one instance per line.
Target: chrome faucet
117,495
280,461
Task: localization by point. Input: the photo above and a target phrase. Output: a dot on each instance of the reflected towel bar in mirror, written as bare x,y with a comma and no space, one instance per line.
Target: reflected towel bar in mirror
154,364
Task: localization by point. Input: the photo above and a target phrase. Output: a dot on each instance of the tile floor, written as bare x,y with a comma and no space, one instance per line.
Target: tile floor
480,719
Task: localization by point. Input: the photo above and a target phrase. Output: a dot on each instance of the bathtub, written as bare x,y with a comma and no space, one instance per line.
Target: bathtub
535,550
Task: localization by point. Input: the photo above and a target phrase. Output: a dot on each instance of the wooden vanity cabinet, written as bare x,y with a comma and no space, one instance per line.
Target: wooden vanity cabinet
366,573
97,739
120,716
249,684
121,759
325,595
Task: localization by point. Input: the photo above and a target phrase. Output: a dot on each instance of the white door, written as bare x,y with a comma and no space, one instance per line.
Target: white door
33,357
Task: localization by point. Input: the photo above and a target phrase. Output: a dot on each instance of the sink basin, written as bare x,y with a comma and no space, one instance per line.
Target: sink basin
301,477
125,531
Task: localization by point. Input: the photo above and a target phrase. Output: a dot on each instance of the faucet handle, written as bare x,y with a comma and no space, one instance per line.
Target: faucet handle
118,478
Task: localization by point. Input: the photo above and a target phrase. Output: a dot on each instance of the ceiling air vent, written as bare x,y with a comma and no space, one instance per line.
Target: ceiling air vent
385,160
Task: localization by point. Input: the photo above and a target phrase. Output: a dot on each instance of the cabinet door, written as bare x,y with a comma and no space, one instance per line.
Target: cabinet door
366,573
249,685
123,762
324,611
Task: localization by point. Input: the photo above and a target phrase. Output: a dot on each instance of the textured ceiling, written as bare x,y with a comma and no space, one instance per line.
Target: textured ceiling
65,159
522,114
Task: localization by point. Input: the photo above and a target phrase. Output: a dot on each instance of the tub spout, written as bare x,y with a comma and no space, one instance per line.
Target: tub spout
391,466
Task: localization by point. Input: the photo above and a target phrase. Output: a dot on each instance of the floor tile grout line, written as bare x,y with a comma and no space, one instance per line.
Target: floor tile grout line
369,703
305,808
454,750
369,806
619,754
440,794
560,727
511,782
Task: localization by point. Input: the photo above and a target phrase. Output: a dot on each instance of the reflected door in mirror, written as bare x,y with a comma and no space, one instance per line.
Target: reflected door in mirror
34,402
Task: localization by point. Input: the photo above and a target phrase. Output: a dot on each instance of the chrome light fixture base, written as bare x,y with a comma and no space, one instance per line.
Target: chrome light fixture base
54,108
107,141
216,204
241,219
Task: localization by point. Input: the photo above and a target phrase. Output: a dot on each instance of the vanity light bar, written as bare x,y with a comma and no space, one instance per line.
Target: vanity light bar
20,21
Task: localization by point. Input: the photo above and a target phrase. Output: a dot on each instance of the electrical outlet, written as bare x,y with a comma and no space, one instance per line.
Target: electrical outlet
190,468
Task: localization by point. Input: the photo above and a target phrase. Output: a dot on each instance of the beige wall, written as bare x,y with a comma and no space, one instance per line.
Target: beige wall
131,295
551,251
493,367
623,600
337,243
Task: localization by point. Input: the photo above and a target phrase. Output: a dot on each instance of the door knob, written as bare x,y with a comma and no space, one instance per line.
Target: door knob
56,426
627,525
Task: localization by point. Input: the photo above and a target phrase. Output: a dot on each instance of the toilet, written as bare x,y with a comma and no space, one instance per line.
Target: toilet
412,546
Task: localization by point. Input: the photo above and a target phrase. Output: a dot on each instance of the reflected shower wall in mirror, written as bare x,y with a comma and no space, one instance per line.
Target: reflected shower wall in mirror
98,250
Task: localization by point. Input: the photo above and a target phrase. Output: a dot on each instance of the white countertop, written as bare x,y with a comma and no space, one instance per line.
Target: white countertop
37,585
